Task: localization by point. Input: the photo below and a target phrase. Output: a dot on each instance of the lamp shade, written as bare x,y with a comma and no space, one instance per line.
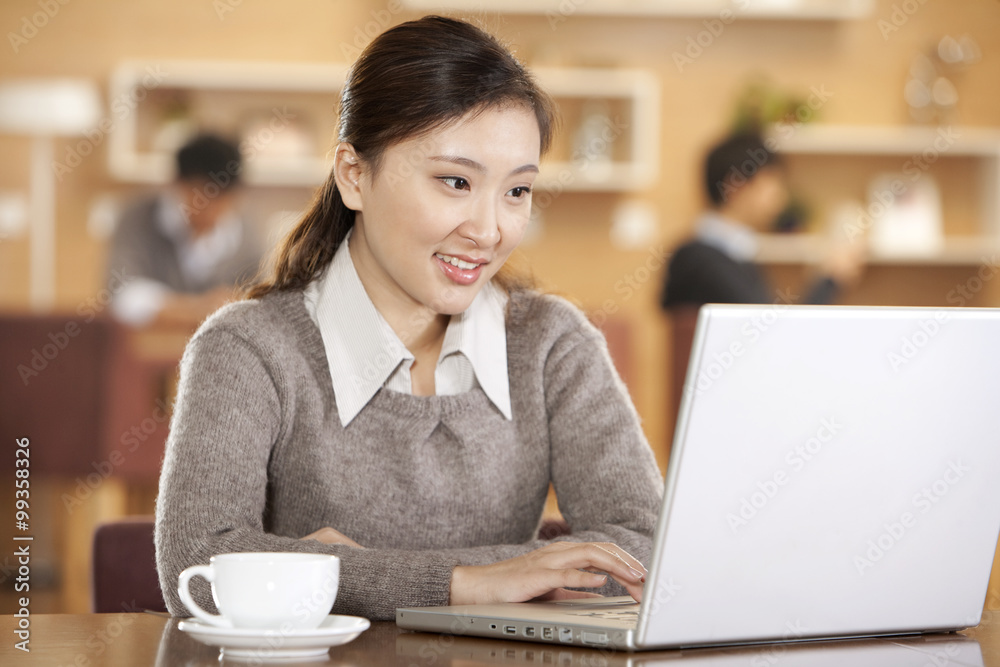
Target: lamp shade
48,107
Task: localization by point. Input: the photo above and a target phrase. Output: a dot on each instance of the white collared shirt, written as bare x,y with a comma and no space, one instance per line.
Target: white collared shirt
364,353
733,238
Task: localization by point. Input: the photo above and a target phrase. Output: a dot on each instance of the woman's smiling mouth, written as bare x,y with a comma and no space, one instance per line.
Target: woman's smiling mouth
459,270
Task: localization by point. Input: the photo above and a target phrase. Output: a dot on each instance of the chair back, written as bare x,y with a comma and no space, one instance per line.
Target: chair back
124,567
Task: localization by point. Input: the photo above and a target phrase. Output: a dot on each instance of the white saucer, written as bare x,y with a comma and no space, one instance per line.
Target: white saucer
274,644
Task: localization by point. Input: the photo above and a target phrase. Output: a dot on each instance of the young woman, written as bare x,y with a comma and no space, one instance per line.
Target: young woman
389,395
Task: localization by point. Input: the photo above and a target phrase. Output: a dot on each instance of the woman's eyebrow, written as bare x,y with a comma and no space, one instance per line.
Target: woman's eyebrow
475,166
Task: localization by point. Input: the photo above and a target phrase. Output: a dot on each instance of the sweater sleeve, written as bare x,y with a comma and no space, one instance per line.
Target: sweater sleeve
604,473
213,488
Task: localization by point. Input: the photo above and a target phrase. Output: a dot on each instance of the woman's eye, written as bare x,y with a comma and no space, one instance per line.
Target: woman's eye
520,191
455,182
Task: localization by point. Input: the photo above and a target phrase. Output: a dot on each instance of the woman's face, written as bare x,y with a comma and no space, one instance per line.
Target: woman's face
443,212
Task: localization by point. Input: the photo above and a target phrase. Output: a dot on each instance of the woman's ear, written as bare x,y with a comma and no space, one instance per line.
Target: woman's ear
347,171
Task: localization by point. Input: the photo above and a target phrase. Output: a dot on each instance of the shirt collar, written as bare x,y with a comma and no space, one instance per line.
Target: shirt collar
731,237
363,351
480,333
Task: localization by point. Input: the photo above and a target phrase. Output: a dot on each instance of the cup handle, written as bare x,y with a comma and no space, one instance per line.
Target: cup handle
184,581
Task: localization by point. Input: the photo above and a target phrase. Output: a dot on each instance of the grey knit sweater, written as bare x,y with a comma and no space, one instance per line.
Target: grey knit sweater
257,457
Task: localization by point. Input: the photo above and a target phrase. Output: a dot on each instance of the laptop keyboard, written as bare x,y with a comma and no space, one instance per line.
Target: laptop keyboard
609,615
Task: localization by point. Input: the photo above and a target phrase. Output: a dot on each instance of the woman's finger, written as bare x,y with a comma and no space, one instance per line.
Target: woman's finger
591,555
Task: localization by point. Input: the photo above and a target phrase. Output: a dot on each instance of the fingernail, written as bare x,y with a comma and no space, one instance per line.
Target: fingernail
636,573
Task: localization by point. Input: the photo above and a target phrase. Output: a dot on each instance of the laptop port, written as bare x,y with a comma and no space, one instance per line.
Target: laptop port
547,633
596,638
529,631
509,630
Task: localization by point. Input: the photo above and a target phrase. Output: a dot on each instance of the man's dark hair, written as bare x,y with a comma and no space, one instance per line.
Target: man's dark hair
210,157
733,162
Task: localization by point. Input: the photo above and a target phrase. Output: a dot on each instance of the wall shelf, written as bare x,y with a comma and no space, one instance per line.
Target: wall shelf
219,94
810,248
816,10
832,163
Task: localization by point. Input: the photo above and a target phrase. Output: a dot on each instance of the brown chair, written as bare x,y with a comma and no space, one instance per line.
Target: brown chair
124,567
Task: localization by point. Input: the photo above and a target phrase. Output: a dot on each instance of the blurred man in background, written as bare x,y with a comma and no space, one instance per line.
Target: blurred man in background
182,253
745,184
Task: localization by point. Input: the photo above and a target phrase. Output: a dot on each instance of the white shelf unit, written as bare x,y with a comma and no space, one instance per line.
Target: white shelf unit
128,163
639,91
981,145
814,10
636,91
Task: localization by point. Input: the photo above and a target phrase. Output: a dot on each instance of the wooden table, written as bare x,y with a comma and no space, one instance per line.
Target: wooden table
133,640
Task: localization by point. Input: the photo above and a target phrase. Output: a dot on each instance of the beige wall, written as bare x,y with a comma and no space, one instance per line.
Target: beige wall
862,69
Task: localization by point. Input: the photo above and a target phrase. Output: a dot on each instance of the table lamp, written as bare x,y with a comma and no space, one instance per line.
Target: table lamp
43,109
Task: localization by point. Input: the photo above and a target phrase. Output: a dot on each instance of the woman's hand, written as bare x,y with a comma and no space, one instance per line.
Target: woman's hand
328,535
546,573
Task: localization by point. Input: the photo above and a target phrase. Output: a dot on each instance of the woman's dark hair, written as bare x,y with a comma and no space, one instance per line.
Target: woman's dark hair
411,79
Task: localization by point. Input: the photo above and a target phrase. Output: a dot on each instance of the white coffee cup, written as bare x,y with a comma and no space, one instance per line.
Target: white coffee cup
266,590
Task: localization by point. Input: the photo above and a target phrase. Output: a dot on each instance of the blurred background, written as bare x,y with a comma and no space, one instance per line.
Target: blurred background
96,97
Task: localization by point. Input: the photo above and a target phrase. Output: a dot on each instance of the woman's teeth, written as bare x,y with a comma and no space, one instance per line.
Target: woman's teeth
455,261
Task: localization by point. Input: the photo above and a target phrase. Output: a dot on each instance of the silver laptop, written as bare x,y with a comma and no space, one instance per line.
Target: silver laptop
834,474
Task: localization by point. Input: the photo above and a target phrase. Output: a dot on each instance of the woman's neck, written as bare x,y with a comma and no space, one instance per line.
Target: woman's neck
419,328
